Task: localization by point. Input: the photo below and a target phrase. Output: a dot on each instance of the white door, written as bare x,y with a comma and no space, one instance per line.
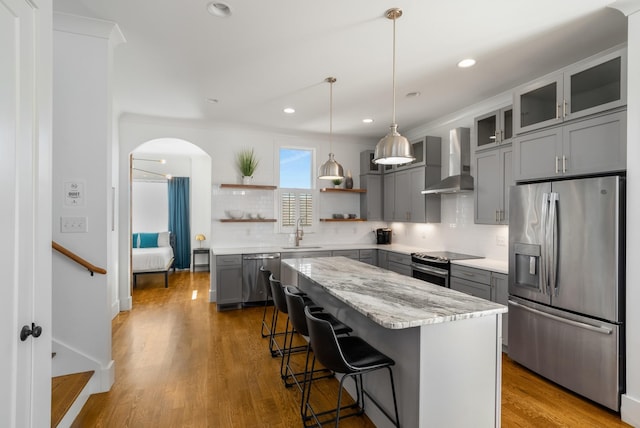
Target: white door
25,196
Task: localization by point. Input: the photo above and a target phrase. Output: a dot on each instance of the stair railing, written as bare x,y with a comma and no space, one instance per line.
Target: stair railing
76,258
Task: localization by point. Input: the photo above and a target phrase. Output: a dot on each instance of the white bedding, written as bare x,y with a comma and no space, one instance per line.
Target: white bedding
151,259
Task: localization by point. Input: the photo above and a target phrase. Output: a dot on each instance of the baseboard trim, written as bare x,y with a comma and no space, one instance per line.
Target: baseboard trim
127,304
115,308
630,410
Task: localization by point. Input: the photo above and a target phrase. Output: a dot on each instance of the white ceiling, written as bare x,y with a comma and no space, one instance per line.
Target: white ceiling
272,54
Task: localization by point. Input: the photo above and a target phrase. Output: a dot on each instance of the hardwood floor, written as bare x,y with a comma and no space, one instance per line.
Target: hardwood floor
180,363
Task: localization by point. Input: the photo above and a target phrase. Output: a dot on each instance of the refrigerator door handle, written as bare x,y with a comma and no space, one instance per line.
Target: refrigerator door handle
601,330
544,250
552,239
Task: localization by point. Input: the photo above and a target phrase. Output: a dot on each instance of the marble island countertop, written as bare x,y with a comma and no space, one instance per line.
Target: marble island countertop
391,300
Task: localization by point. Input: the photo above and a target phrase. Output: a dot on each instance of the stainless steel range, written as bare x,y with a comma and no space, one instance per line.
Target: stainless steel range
435,266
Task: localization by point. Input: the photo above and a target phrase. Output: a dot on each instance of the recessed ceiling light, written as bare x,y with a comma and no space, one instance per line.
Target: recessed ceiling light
219,9
367,120
466,63
212,100
289,110
413,94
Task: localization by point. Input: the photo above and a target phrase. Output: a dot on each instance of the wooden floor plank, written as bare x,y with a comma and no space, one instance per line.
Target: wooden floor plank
180,363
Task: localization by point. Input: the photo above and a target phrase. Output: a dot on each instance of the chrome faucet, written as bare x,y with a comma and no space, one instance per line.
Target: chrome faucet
299,231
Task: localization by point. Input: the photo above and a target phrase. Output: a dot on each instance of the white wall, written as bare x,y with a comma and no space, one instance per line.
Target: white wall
82,152
631,400
150,206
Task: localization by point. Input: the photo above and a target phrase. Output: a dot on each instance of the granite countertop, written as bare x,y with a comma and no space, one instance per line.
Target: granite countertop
493,265
396,248
391,300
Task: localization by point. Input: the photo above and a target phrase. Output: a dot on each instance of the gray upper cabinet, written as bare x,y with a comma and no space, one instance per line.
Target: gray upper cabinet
597,84
371,200
494,129
366,163
589,146
389,193
494,175
403,200
419,151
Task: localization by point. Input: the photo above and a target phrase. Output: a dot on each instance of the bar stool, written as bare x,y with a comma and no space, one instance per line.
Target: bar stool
350,356
264,276
280,303
296,304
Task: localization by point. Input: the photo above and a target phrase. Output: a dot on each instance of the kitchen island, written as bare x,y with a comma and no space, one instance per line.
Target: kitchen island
446,344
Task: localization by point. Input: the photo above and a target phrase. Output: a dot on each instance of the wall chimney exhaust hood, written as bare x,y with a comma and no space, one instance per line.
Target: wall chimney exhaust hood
459,179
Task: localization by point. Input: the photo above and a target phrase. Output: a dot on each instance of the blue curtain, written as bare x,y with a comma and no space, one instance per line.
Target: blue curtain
179,220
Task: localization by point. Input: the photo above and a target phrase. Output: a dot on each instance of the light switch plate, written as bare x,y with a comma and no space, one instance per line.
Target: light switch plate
74,225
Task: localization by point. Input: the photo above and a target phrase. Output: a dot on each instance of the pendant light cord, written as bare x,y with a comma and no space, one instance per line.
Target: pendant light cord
393,73
331,81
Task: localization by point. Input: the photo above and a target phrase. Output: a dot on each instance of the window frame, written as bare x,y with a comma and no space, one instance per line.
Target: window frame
313,191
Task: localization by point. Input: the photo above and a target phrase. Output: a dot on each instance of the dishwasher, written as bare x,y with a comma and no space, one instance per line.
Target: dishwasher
253,287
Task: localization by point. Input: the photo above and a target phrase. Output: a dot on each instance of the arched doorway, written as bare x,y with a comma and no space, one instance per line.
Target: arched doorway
150,164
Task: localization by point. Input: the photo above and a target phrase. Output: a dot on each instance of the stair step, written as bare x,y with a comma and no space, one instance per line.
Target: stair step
64,391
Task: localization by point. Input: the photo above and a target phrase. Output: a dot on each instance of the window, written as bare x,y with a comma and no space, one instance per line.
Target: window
297,195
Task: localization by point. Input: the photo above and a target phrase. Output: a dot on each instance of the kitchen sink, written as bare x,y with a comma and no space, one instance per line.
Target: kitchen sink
301,247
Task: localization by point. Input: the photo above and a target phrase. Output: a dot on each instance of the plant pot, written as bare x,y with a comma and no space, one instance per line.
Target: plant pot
247,179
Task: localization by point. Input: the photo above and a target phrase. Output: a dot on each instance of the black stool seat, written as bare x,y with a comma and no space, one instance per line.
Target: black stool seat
359,355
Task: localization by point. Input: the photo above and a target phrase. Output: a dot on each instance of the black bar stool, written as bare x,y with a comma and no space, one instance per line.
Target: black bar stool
296,304
265,329
350,356
280,303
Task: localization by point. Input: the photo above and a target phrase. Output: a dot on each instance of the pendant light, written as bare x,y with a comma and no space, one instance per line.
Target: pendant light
331,169
393,149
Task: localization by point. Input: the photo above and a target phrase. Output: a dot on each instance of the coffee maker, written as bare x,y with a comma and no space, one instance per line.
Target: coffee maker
383,236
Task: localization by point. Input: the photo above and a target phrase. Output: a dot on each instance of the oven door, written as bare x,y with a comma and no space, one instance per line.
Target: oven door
430,274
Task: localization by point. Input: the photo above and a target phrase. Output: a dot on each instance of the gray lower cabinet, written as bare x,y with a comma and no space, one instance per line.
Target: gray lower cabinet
350,254
304,254
484,284
494,175
368,256
594,145
399,263
383,259
371,200
500,294
228,276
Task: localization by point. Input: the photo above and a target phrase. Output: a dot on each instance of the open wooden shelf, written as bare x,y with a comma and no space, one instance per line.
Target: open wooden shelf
342,219
248,220
248,186
341,190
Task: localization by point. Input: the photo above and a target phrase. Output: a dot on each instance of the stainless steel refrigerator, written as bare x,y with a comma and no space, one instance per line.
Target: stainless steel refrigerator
566,283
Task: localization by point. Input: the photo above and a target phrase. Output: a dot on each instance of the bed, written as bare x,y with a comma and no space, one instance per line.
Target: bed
152,253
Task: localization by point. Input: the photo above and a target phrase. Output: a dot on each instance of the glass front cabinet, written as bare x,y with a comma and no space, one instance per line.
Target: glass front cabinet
587,87
494,129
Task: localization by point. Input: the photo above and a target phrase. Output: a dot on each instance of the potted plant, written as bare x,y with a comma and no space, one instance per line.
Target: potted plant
337,182
247,164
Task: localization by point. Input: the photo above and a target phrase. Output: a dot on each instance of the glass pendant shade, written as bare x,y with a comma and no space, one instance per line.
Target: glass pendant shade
330,170
393,149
